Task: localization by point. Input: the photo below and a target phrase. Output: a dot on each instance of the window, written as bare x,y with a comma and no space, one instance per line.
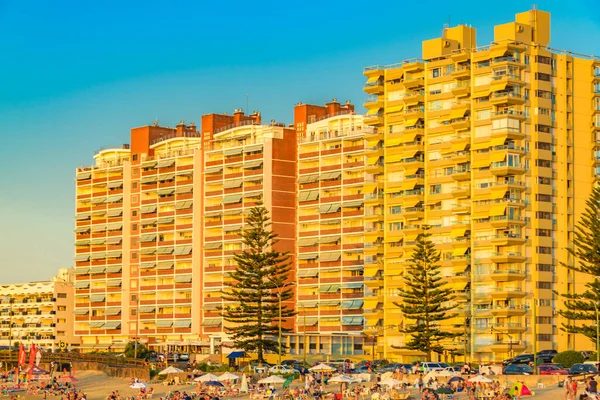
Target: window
60,333
543,163
543,215
544,337
526,59
543,250
136,171
543,77
134,199
543,146
134,241
544,232
544,285
61,295
395,210
134,157
545,267
543,60
544,181
435,189
436,73
134,227
435,105
395,226
61,320
544,197
543,111
134,256
544,94
544,320
133,311
134,185
62,308
134,213
544,128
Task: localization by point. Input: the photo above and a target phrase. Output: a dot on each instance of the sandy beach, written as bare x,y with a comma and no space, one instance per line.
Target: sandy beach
97,386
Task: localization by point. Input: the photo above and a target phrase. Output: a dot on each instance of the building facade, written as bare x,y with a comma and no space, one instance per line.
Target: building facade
39,313
493,147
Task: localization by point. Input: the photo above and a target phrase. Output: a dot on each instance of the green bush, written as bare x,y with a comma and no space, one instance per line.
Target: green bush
593,357
568,358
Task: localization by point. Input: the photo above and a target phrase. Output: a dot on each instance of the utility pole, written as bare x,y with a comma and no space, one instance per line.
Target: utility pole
137,326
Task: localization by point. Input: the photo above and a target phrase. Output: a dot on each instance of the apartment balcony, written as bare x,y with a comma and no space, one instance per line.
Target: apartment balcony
509,239
413,65
374,102
504,221
413,98
412,196
507,293
374,85
459,277
462,89
374,119
507,275
507,258
459,209
461,157
462,295
507,79
462,72
509,327
499,153
507,346
507,134
459,192
462,260
507,112
506,98
413,213
461,174
504,168
375,168
461,124
457,328
413,83
509,311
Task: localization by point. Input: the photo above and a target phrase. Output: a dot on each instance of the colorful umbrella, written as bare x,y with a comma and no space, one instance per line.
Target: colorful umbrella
519,389
455,379
214,383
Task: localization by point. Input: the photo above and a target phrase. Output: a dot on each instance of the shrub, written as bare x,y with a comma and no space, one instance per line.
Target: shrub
568,358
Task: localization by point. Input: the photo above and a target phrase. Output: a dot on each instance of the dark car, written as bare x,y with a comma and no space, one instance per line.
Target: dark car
517,369
520,359
545,356
583,369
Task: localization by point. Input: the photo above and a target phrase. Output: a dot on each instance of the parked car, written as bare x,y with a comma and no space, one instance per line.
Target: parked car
433,366
520,359
583,369
552,369
254,367
517,369
283,369
545,356
184,357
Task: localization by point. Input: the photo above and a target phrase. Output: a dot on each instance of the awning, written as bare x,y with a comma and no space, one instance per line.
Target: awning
82,271
114,226
82,257
183,279
98,200
164,324
114,254
411,203
306,321
374,111
497,86
330,176
480,145
213,170
460,251
148,237
82,217
84,176
82,229
164,265
97,298
147,309
231,199
234,183
165,163
353,320
480,163
329,257
148,179
114,213
371,304
165,250
458,231
409,136
411,171
329,208
98,228
112,311
480,215
307,242
395,158
182,205
329,303
308,304
232,152
252,148
373,79
236,354
307,273
148,209
394,109
165,192
410,185
458,113
253,164
329,239
329,288
458,146
149,265
497,141
113,283
98,256
253,178
354,204
114,199
498,192
165,220
393,142
307,256
212,322
213,245
114,269
352,304
184,189
353,285
166,177
482,93
81,311
308,178
498,51
115,184
112,325
212,214
411,121
497,157
232,228
497,210
82,285
410,237
96,324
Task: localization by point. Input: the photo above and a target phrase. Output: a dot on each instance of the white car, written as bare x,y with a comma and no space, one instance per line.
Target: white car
283,369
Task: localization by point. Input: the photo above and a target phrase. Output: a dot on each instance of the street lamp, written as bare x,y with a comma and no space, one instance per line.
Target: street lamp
597,332
374,337
510,340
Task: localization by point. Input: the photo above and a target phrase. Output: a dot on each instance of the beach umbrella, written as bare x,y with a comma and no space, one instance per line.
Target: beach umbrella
244,384
390,382
480,379
35,371
170,370
343,379
67,379
455,379
228,376
519,389
272,379
321,368
214,383
431,375
139,385
207,378
444,390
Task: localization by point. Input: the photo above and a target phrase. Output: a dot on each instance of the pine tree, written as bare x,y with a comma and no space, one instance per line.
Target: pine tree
425,300
586,251
261,275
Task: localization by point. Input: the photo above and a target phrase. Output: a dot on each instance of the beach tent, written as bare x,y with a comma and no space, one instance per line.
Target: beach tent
272,379
480,379
321,368
170,370
519,389
207,378
228,376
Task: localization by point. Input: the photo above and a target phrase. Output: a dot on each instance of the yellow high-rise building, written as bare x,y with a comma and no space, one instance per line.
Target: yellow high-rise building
493,147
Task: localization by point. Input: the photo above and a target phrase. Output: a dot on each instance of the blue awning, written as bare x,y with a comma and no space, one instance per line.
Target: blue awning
236,354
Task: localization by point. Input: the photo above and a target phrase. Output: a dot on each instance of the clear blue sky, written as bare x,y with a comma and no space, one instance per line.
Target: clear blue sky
76,76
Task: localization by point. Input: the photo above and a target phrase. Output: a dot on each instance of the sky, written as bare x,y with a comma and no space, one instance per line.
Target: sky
75,76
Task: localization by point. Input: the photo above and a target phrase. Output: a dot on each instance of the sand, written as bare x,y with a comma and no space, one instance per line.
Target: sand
97,386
